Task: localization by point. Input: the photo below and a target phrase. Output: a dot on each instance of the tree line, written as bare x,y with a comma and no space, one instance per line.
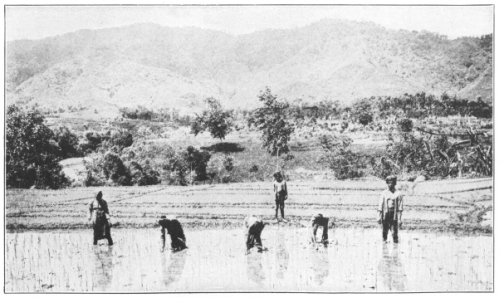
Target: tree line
34,150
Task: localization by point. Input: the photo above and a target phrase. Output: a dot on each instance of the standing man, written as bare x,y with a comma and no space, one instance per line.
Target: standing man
254,227
280,194
101,222
316,222
177,237
390,209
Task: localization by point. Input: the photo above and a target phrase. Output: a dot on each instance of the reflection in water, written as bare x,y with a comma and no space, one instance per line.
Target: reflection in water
320,264
282,255
172,270
103,268
255,271
390,269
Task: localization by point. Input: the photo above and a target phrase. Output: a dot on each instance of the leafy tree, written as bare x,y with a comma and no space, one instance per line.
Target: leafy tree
91,142
114,169
219,166
272,120
196,162
32,156
143,175
216,120
67,142
121,139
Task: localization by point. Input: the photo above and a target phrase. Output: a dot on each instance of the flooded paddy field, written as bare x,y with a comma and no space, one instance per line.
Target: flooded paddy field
355,261
446,242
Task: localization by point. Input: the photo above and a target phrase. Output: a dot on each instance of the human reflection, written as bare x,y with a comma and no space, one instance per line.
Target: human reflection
320,264
390,269
255,270
173,267
103,268
282,256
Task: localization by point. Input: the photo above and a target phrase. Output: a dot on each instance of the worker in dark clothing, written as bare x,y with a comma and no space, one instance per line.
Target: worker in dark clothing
101,221
254,227
174,229
319,221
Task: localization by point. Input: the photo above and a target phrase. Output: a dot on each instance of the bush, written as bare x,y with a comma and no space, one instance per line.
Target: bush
91,143
405,125
114,169
220,167
342,161
121,139
196,161
365,119
106,169
143,175
67,142
345,164
94,175
32,155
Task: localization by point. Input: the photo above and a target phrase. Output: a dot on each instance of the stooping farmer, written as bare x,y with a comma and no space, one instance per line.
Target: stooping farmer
280,194
319,221
101,222
390,209
174,229
253,226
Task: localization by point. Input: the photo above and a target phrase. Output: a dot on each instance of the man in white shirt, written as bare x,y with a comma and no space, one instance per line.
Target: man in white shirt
390,209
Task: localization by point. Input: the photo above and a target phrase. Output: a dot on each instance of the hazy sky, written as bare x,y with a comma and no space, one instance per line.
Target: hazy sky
34,22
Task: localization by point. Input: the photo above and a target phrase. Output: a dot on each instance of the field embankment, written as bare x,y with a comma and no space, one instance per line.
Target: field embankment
463,205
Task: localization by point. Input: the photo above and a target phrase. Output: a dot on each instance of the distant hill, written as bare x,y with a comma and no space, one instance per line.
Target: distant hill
156,66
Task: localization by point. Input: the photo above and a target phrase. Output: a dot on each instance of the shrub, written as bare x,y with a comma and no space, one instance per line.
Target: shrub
90,143
196,161
220,167
67,142
342,161
106,169
365,119
405,125
114,169
143,175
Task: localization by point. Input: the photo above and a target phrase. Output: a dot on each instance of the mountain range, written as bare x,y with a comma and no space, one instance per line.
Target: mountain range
162,67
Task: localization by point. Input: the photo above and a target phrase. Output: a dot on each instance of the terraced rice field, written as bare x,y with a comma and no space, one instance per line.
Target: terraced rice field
49,246
351,203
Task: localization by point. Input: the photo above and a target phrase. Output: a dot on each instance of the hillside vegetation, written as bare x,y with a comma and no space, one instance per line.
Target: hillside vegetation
161,67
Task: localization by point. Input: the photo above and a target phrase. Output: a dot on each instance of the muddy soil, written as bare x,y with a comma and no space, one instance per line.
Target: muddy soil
355,261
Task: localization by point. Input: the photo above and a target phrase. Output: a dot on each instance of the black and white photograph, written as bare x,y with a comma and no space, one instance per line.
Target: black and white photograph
248,148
